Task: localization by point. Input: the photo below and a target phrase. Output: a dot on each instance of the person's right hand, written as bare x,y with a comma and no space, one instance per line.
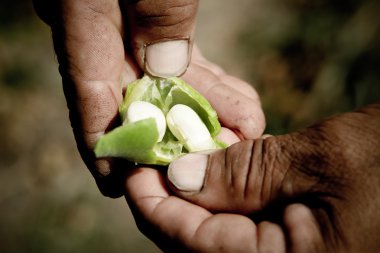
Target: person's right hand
332,167
315,190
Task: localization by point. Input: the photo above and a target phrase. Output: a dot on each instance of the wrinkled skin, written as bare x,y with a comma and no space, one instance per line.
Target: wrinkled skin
311,191
333,168
98,45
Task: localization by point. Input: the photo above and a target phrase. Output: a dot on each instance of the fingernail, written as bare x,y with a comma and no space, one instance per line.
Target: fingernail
187,173
167,58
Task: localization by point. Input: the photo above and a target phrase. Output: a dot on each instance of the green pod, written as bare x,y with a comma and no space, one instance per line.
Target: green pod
135,141
138,141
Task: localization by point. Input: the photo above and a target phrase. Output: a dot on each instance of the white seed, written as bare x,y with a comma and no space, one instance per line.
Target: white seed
139,110
189,129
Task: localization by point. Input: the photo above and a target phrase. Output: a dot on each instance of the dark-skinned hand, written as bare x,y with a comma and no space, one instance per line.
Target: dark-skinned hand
102,45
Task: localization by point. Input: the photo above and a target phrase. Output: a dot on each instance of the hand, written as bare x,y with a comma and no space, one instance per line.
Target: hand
102,45
176,225
333,168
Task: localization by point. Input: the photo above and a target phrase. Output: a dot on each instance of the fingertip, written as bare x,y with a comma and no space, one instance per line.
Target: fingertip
236,111
266,136
187,173
297,212
271,238
162,35
303,229
167,58
253,124
228,136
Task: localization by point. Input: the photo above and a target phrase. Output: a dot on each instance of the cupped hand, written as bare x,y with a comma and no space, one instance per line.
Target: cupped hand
332,167
102,45
176,225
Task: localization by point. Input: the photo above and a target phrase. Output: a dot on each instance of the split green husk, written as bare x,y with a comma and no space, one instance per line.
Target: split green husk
138,141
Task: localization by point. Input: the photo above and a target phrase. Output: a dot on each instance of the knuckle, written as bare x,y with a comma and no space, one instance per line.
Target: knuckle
237,159
239,112
169,14
263,177
311,166
241,176
49,11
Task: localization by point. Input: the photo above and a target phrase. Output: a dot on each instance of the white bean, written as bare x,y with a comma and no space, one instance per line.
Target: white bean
139,110
189,129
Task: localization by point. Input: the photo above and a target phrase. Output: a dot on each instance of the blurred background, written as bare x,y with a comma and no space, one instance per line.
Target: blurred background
307,59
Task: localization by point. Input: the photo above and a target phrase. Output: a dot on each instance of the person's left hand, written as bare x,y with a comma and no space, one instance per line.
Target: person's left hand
103,45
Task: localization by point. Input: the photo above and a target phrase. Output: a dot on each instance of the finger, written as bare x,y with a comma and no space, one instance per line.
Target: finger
179,226
303,230
90,52
224,180
228,136
91,56
199,61
162,34
271,238
246,176
236,102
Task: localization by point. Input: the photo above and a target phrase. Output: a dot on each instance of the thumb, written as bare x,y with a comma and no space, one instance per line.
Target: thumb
162,34
251,174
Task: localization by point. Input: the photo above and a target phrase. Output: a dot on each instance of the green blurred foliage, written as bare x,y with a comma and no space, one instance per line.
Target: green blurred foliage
312,59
